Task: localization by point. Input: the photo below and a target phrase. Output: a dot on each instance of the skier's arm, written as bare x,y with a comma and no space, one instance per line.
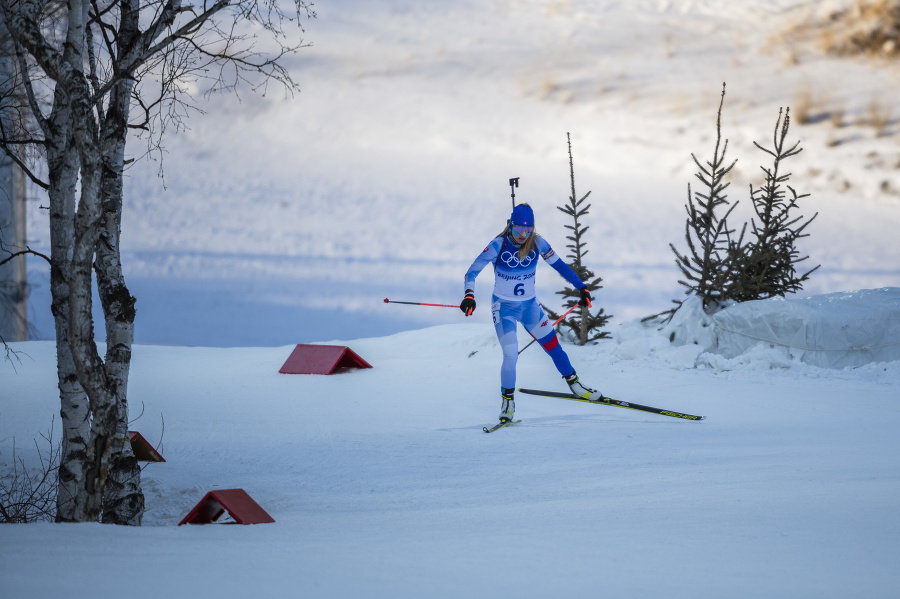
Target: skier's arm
486,257
559,265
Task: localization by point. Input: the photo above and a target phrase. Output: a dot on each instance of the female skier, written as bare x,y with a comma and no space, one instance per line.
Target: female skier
514,253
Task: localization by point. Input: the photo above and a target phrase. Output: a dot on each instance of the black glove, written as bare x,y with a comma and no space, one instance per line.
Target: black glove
468,303
585,298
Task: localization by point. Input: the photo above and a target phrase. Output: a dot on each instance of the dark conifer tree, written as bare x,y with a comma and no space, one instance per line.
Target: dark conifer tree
719,268
765,266
584,325
705,266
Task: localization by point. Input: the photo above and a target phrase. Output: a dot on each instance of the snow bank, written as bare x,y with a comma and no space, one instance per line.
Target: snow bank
836,330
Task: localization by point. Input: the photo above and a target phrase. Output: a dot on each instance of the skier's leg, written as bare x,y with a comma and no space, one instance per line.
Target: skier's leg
536,322
551,345
505,317
505,326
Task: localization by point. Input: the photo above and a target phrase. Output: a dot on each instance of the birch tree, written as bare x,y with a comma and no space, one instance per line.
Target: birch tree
85,65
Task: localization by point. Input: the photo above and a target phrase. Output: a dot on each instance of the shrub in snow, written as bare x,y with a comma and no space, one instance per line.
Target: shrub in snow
864,27
28,492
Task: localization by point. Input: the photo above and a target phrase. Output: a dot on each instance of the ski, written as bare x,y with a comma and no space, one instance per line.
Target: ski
608,401
500,425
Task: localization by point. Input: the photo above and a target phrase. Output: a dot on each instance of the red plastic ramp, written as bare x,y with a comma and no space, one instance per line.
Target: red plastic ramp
236,502
322,359
142,450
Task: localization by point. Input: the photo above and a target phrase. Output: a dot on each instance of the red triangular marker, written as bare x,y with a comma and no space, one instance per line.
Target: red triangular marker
236,502
142,450
322,359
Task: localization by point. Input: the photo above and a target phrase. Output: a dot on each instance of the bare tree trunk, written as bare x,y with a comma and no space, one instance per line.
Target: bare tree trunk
109,457
73,504
79,342
90,368
123,500
62,167
13,279
62,160
87,489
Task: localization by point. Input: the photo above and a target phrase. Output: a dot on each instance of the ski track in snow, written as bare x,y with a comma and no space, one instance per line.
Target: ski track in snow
382,484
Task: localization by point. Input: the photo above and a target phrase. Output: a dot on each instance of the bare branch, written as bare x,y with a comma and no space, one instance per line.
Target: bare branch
24,252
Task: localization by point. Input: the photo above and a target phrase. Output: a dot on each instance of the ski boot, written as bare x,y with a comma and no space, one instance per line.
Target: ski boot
579,390
508,407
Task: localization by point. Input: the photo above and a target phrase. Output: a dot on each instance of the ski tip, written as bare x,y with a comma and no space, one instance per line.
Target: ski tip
500,425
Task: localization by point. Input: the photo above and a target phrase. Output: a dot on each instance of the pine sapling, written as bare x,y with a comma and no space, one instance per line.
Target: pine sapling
705,265
765,266
583,324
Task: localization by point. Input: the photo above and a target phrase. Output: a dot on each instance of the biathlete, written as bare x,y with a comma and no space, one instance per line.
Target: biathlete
514,253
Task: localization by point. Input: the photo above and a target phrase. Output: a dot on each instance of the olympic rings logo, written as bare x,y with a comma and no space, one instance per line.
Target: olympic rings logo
511,259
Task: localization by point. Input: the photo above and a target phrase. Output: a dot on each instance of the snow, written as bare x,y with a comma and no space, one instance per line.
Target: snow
382,484
836,330
287,221
833,331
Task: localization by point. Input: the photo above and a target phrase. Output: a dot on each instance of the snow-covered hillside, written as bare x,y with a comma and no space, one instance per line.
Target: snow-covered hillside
382,484
289,220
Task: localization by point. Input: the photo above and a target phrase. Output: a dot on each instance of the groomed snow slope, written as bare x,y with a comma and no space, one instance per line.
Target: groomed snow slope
383,485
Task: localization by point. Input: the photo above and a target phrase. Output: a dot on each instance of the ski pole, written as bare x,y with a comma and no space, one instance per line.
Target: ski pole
552,325
513,183
389,301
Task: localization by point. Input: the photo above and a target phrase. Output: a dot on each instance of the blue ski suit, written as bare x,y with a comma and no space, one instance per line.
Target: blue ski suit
514,300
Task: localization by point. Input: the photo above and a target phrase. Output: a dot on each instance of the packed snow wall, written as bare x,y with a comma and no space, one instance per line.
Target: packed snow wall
836,330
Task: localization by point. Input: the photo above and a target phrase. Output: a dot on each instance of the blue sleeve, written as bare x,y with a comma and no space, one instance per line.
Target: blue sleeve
558,265
486,257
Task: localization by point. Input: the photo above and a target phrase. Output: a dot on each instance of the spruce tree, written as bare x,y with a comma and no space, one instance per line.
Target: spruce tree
765,266
706,265
584,325
719,268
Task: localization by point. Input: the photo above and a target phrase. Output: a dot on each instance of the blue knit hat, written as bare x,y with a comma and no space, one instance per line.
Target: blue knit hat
522,215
